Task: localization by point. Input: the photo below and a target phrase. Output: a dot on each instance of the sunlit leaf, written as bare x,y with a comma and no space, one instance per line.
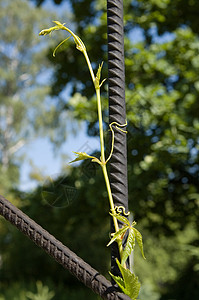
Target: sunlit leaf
138,237
98,76
81,156
121,218
118,234
130,243
129,284
119,281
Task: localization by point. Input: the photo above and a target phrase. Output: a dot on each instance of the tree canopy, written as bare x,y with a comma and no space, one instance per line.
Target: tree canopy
162,106
161,99
26,110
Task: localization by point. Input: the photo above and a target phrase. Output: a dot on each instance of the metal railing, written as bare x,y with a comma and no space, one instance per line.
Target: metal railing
117,112
118,171
62,254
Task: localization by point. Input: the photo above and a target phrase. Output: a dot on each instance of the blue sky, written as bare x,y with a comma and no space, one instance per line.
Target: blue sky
40,151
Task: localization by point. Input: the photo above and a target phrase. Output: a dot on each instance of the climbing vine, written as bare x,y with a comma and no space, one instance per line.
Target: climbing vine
129,283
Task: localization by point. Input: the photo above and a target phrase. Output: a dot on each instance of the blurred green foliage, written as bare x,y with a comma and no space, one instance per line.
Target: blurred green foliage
163,163
39,291
26,111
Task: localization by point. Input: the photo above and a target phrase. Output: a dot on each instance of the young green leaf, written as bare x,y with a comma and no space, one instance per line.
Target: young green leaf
118,234
138,237
130,243
119,281
83,155
98,76
79,44
51,29
121,218
129,284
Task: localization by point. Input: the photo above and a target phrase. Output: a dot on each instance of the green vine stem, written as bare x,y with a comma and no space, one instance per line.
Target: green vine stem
97,85
96,81
129,284
104,162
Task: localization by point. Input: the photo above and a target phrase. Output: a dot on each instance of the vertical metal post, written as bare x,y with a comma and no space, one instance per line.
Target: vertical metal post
117,110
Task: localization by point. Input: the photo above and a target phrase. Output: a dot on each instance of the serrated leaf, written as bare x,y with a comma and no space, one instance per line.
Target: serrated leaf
119,281
130,243
98,76
118,234
121,218
138,237
81,156
131,285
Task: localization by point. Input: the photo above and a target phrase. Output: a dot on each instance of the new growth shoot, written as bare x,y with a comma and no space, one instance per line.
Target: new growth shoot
129,284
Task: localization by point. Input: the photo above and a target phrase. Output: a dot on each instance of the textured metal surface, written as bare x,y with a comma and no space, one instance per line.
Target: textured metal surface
63,255
117,108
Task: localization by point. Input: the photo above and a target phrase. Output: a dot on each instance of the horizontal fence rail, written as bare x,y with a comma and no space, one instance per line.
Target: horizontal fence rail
62,254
